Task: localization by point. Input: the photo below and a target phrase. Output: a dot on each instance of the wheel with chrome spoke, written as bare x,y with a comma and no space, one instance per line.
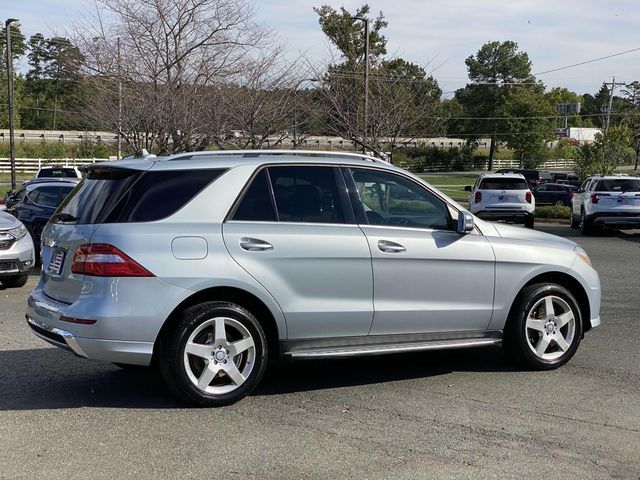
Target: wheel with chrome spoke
544,328
215,355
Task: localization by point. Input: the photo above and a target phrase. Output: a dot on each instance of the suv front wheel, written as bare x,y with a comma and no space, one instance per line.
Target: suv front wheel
215,355
544,328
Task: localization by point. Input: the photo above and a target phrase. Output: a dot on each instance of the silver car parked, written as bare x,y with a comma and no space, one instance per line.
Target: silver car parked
17,256
208,264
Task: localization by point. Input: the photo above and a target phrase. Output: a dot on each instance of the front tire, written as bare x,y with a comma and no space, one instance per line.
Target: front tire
215,355
544,328
15,281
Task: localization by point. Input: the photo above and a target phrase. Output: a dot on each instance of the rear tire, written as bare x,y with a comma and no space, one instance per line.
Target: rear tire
544,327
15,281
574,222
586,228
529,222
215,355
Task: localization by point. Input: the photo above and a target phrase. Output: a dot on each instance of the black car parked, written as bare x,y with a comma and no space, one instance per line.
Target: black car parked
36,201
554,194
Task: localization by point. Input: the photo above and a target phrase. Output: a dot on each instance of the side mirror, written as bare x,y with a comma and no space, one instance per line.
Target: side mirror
467,188
465,223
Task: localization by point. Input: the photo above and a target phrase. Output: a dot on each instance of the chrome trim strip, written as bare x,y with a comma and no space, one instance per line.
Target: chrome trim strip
389,349
70,341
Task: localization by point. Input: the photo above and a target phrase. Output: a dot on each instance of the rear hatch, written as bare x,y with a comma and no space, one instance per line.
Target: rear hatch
617,195
507,193
77,218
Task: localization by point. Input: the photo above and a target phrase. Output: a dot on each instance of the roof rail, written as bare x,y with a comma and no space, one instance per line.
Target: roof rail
259,153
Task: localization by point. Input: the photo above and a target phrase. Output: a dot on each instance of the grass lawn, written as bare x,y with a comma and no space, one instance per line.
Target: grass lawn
452,185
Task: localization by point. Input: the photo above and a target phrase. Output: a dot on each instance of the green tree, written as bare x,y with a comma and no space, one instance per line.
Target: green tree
609,150
563,95
346,33
18,46
498,69
528,126
632,118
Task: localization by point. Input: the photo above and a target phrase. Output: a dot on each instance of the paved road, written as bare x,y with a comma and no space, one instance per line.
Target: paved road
435,415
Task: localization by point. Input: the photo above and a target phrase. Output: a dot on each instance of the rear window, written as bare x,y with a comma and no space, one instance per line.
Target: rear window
57,173
504,184
111,195
618,185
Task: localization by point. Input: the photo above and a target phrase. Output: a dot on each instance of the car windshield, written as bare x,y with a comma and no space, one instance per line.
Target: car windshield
504,184
619,185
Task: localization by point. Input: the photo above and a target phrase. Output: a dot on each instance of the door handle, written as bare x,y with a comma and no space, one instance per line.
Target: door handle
387,246
255,245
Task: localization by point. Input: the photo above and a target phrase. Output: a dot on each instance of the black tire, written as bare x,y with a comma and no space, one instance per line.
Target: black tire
575,223
172,348
586,228
15,281
529,222
516,340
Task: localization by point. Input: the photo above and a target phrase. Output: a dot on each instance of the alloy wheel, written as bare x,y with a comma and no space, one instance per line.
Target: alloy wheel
219,355
550,328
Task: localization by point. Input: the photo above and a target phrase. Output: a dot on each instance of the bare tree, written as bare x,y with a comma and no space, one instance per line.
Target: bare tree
175,62
403,105
260,103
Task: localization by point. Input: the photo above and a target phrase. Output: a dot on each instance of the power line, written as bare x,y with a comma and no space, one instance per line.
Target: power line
588,61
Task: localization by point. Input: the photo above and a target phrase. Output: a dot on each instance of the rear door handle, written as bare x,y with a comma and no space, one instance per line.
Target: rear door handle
387,246
255,245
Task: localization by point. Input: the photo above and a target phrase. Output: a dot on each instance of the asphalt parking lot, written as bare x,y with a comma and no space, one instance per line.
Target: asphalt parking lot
460,414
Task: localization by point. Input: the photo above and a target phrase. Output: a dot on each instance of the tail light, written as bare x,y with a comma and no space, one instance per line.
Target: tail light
103,260
594,198
478,197
1,201
527,197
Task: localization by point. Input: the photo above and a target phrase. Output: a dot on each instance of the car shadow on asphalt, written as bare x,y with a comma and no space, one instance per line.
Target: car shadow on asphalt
50,378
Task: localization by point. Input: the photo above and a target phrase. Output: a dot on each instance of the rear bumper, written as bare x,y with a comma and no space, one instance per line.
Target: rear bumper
617,220
509,215
127,319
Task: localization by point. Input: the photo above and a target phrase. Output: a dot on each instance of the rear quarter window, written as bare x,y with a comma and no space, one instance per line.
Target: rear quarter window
111,195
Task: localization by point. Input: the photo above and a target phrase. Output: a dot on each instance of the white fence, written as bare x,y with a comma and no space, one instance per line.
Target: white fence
32,165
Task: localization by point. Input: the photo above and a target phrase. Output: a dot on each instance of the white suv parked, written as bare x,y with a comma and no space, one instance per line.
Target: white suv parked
502,196
607,201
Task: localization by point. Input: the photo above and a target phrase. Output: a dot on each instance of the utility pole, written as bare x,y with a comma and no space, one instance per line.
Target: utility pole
12,152
366,78
119,126
610,106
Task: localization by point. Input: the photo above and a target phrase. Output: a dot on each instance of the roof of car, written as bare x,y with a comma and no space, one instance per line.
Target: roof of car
70,167
52,180
503,175
233,158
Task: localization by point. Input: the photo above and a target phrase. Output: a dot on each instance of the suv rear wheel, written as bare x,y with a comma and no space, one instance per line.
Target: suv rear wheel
215,355
545,327
586,228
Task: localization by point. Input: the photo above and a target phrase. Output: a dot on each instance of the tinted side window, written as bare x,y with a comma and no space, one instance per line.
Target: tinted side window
113,195
256,204
391,199
306,194
159,194
46,196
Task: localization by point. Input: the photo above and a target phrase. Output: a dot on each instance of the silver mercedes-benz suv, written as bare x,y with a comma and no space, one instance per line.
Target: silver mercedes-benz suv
208,264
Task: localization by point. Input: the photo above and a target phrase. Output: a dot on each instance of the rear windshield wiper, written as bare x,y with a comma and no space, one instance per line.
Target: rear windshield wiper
64,217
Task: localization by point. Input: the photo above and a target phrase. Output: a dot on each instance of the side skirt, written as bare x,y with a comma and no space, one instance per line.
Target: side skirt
387,344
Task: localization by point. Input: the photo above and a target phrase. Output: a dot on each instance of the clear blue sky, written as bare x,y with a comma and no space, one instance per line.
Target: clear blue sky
440,33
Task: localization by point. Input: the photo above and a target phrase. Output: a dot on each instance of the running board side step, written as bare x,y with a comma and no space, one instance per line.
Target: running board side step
384,349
